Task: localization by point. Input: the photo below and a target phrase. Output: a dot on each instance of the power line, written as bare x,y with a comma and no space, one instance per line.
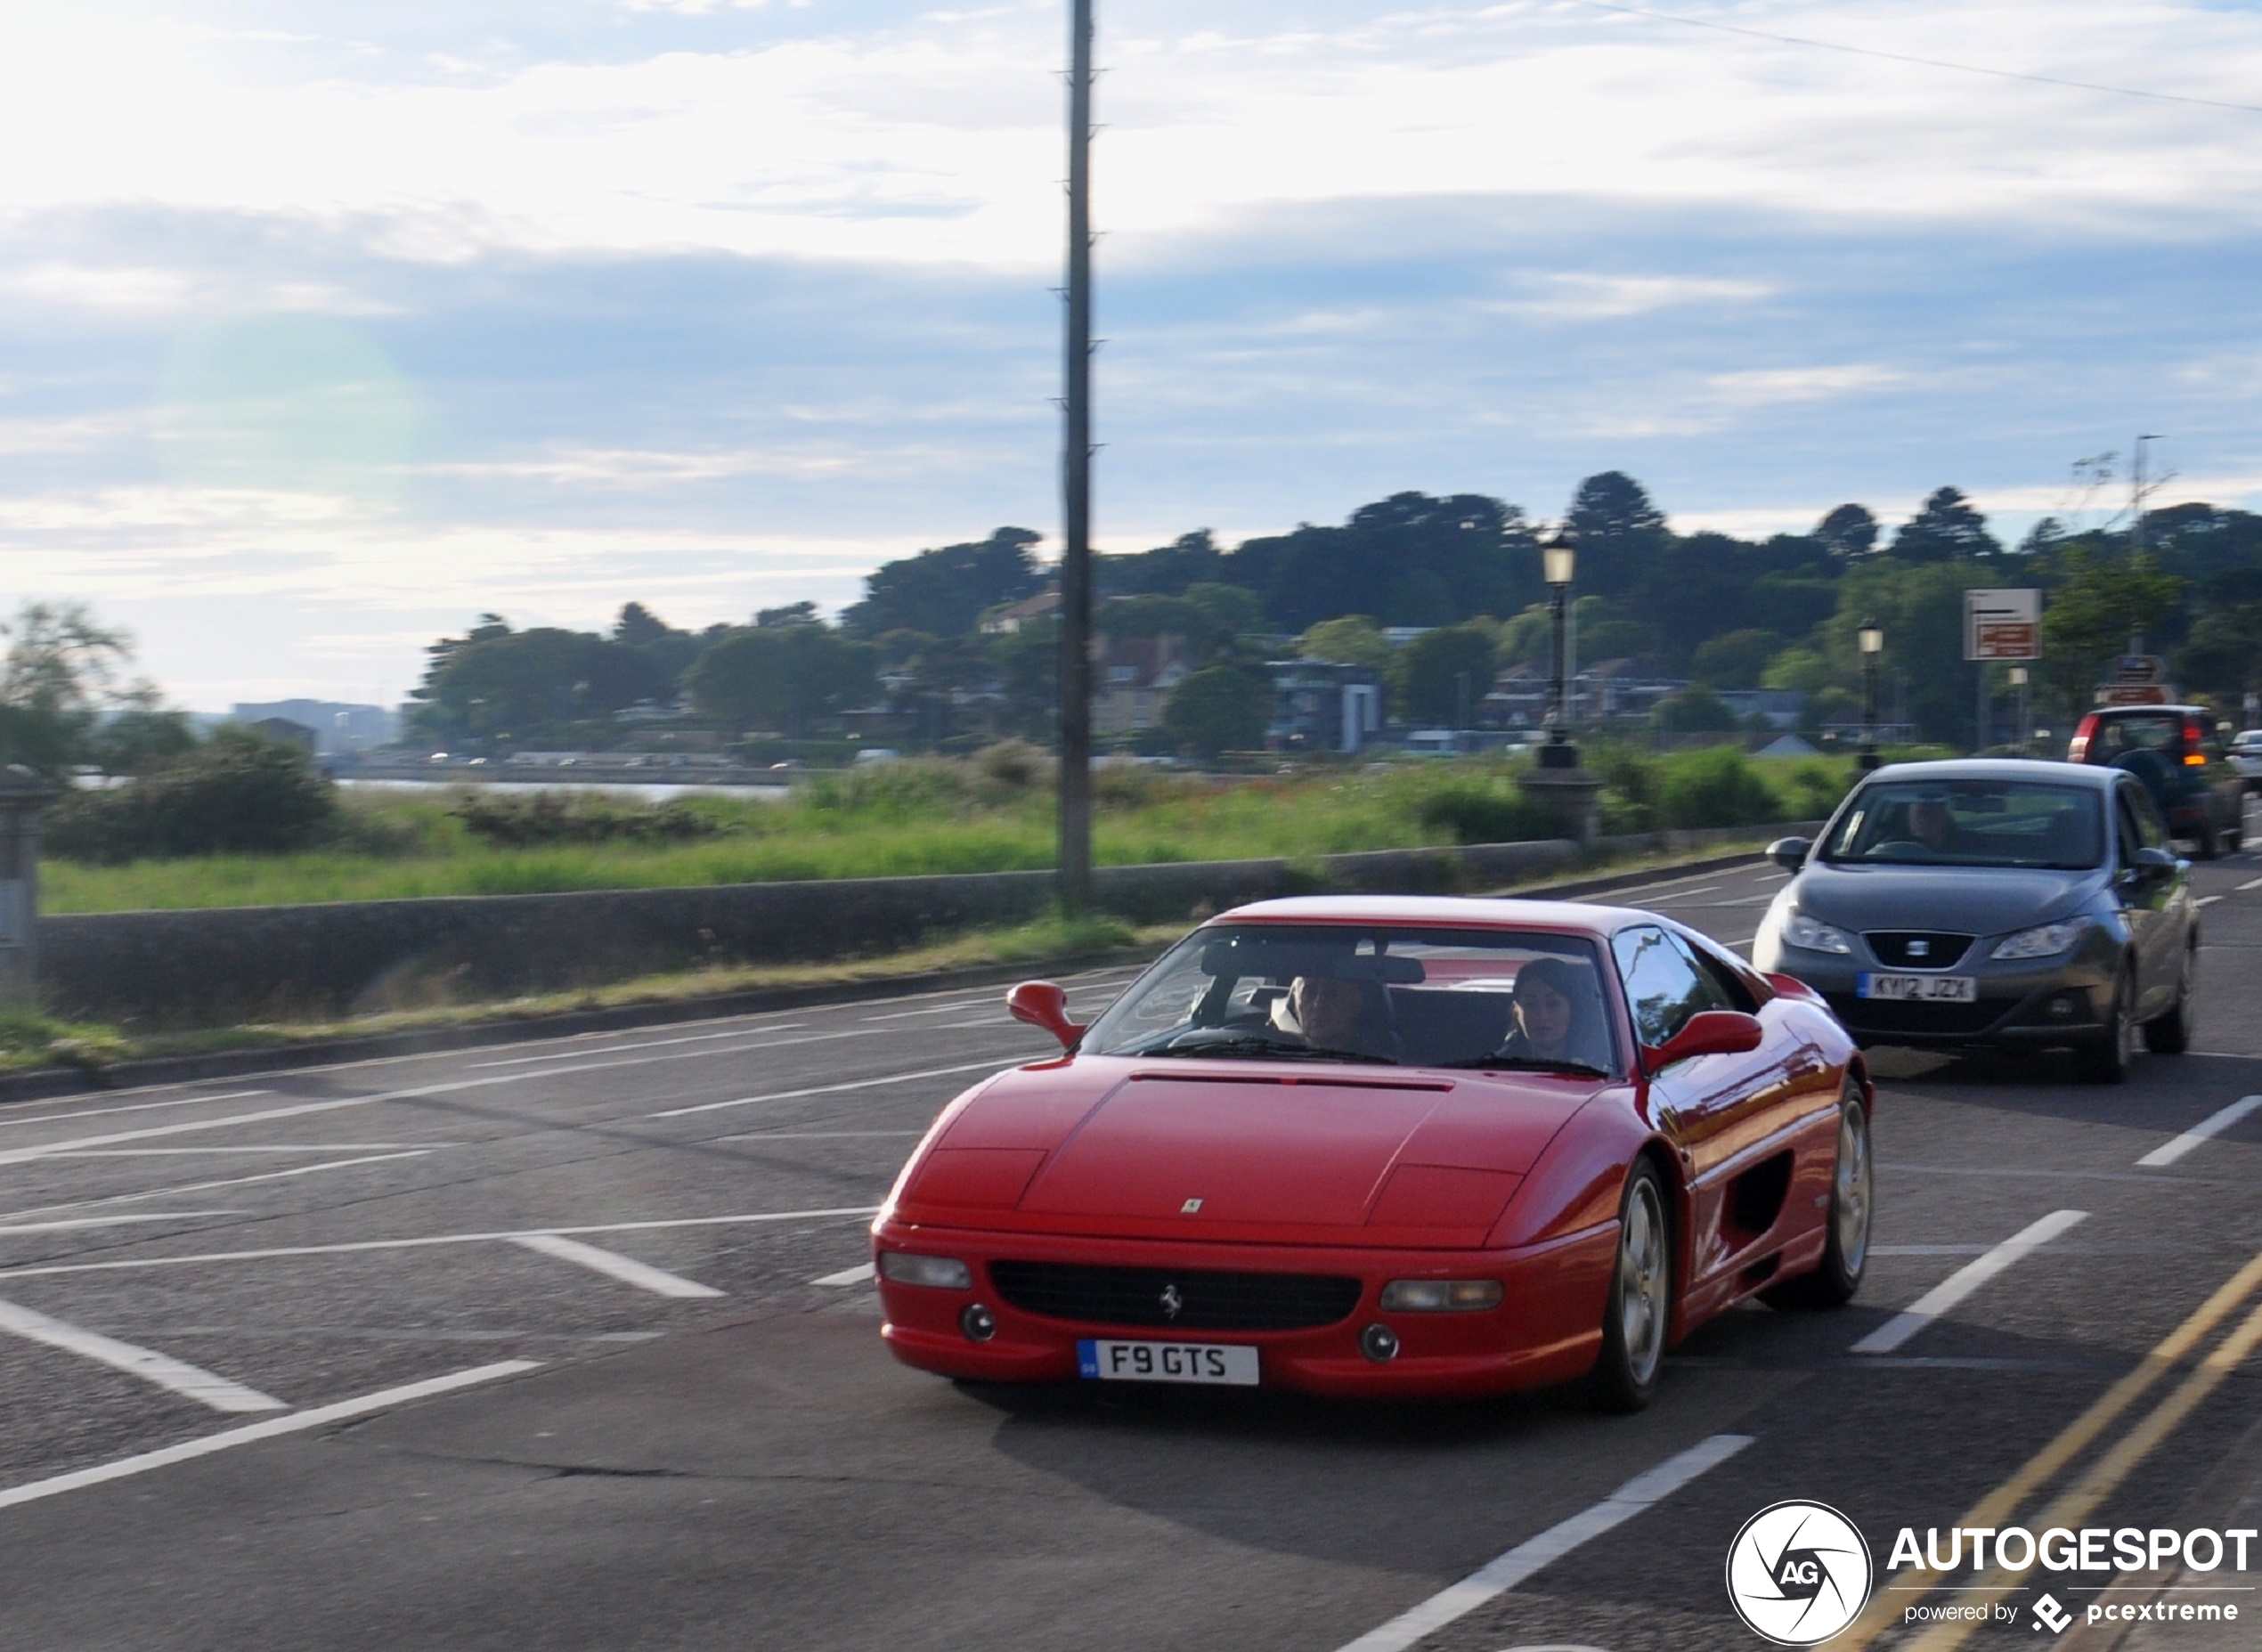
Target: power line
1903,57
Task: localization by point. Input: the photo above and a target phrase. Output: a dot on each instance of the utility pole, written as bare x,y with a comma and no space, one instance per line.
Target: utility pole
2136,492
1076,477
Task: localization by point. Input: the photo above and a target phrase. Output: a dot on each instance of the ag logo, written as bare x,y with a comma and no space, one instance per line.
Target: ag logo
1798,1573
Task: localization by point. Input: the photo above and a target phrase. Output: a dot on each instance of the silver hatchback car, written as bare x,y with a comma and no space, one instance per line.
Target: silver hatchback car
2002,903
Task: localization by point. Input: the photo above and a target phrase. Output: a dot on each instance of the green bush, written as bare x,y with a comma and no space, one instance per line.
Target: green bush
1476,815
579,818
1715,788
236,795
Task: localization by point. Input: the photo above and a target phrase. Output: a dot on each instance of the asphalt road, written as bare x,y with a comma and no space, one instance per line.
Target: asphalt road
671,1424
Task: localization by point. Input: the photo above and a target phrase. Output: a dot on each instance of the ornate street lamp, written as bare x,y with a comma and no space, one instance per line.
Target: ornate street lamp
2019,681
1873,644
1559,560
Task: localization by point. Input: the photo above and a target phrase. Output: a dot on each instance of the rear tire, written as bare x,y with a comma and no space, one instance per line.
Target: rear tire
1845,1253
2210,842
1638,1312
2107,1059
2171,1034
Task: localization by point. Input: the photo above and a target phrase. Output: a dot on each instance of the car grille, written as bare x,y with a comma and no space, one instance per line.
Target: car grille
1917,948
1206,1301
1883,1017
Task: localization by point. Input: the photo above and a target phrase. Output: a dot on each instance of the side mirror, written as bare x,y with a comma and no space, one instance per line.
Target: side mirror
1041,1004
1790,853
2149,865
1712,1032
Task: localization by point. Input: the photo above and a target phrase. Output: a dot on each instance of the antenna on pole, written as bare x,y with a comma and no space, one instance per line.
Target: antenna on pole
1076,479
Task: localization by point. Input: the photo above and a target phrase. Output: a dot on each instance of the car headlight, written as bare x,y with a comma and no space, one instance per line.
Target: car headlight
2043,940
938,1272
1813,935
1441,1296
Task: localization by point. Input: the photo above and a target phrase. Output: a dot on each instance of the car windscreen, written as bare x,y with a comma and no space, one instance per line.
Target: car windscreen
1400,995
2147,731
1971,823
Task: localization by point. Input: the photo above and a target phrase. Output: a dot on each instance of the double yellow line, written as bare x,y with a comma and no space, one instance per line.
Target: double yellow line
2097,1482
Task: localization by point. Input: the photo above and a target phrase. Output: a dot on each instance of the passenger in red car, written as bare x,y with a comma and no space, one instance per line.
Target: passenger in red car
1555,1016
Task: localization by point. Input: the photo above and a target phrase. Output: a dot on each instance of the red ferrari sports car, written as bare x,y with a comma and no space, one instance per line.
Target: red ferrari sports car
1389,1146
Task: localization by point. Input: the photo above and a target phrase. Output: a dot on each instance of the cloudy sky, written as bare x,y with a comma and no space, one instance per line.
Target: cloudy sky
326,325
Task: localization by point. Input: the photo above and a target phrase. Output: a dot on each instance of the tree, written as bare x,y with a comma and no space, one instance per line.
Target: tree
782,678
945,591
1695,710
2096,600
792,614
140,739
1735,659
63,674
1948,529
1027,665
501,685
237,793
2223,655
1619,531
1920,606
1220,708
1438,675
1232,610
638,625
1353,639
670,650
1410,559
1850,531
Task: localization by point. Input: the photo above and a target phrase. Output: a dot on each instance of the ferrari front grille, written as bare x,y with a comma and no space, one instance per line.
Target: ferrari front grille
1176,1299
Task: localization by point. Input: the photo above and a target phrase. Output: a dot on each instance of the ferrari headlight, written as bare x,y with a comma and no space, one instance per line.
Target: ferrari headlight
939,1273
1813,935
2043,940
1441,1296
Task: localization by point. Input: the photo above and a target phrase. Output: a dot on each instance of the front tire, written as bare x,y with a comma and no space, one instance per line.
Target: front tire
2107,1060
2171,1034
1845,1252
1638,1310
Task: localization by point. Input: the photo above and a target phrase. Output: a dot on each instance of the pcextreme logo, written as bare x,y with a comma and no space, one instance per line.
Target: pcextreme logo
1798,1573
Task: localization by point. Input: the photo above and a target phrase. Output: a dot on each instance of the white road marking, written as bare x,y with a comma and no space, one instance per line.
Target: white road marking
202,1187
938,1009
613,1265
189,1382
70,1223
2224,1055
225,1152
1965,1280
2214,1124
2207,900
992,1064
349,1247
1691,894
646,1044
862,1273
2251,884
815,1135
1488,1583
135,1107
298,1422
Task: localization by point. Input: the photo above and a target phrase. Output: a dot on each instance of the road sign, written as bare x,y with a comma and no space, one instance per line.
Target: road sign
2140,668
2134,694
2003,626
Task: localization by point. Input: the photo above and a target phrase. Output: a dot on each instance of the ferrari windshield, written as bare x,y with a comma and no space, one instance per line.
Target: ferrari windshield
1370,993
1971,823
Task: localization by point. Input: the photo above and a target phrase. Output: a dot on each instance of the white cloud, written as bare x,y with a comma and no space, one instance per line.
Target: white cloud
1771,387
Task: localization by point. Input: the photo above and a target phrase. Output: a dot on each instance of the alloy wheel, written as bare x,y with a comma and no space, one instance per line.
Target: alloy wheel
1642,1282
1852,1188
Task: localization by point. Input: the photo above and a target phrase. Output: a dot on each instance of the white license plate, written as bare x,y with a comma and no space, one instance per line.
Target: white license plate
1920,989
1168,1362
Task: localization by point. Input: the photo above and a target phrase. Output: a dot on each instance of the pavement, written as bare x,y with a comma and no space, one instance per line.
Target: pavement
570,1345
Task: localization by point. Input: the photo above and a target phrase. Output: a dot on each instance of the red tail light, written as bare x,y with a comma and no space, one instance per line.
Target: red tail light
2078,751
2195,743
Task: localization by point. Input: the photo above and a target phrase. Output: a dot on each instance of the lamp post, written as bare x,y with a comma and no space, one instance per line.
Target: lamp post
2018,681
1873,644
1560,564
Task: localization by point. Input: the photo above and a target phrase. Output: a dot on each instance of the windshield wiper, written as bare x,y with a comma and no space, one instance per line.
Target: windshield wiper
1530,1063
1248,1045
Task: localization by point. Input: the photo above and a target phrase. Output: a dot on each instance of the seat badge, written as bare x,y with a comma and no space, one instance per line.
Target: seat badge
1920,949
1193,1206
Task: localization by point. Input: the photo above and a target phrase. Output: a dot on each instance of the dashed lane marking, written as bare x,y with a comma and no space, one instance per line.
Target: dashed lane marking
863,1272
2168,1153
1490,1581
613,1265
819,1136
45,1270
134,1107
648,1044
204,1187
189,1382
298,1422
2207,900
71,1223
1965,1280
992,1064
242,1149
2252,883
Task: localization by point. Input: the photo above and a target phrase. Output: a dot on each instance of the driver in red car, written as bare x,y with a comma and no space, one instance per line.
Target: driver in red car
1333,1014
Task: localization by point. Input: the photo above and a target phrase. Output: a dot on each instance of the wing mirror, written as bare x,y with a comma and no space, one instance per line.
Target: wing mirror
1712,1032
1041,1004
1790,853
2147,865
